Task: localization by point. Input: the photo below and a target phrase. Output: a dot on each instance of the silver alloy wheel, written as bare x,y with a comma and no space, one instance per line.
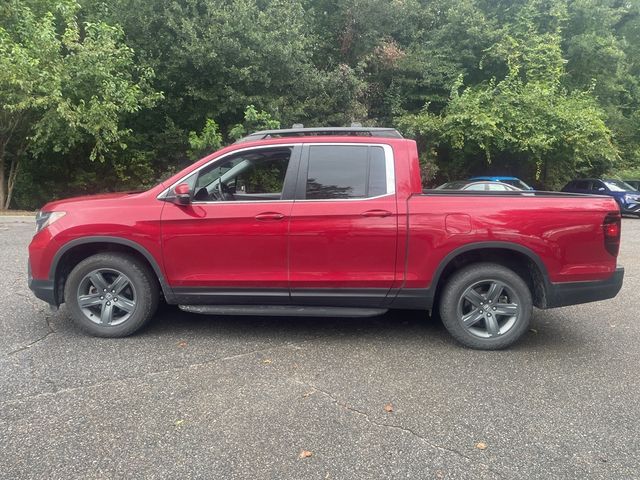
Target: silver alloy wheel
106,297
488,309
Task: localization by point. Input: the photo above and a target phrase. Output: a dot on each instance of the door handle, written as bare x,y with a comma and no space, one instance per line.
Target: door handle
269,216
376,213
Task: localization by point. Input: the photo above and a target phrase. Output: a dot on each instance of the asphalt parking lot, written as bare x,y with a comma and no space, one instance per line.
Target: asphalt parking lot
241,397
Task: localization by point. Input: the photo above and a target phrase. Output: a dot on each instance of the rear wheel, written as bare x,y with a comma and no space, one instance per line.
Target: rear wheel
486,306
111,294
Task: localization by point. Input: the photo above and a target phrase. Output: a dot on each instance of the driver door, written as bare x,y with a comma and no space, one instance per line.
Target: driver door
229,245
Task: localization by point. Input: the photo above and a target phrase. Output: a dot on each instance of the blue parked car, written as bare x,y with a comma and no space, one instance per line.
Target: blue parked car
627,197
515,181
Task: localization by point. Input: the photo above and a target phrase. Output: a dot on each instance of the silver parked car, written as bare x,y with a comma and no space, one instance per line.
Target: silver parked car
484,186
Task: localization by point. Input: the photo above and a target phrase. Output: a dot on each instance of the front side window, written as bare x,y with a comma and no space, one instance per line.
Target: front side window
618,186
346,171
251,175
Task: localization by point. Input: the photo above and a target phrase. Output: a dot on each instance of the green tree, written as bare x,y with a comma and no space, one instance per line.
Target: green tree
527,117
63,84
549,87
207,141
602,42
253,121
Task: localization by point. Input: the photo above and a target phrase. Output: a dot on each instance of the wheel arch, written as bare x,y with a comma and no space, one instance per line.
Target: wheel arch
524,261
73,252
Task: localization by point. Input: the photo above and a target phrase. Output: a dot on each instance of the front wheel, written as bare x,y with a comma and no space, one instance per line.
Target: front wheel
486,306
111,294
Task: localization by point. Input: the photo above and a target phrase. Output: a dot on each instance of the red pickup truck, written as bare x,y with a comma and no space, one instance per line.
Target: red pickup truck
324,222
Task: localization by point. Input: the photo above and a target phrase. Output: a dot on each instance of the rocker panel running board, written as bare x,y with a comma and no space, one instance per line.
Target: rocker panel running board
282,310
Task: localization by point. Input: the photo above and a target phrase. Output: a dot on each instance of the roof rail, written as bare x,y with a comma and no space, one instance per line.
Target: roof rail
340,131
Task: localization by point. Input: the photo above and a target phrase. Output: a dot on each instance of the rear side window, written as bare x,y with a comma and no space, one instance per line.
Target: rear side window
582,185
345,171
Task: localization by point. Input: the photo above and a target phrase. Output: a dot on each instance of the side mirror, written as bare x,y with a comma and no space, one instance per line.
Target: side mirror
182,194
601,189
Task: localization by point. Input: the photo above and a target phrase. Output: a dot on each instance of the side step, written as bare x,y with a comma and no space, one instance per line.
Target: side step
282,310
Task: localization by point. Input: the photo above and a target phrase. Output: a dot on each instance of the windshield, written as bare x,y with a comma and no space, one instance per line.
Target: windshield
518,184
618,186
210,179
451,186
476,186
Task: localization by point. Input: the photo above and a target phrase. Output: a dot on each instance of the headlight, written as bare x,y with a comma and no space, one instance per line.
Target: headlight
44,219
631,198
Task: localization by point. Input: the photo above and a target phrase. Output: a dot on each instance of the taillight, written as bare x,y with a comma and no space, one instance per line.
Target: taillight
611,228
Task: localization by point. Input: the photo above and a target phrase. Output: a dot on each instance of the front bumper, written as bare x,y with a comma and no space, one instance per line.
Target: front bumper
43,289
563,294
633,209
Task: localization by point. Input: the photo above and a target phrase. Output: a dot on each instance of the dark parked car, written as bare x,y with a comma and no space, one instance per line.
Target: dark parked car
478,186
626,196
634,183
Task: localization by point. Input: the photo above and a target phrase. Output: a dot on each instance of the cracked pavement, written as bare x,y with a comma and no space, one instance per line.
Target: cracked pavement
196,396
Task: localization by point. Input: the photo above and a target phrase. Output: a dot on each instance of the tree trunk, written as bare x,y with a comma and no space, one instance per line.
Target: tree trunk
11,181
8,182
2,181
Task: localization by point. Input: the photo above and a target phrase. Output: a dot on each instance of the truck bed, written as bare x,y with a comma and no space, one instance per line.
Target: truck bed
566,230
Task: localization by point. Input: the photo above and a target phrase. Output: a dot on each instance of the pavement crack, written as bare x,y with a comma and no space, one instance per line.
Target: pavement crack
140,376
50,331
392,426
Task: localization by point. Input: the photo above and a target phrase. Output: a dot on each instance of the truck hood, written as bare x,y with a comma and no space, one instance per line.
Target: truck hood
77,202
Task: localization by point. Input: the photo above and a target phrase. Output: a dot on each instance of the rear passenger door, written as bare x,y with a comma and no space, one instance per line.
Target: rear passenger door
344,226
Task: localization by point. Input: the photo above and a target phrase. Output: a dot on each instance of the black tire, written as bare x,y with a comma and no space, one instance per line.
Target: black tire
142,290
503,318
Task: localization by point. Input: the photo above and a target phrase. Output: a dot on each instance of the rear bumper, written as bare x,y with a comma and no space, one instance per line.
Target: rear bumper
43,289
563,294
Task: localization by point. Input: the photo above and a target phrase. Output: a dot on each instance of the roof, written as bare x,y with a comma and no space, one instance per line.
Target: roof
321,131
459,184
491,177
592,179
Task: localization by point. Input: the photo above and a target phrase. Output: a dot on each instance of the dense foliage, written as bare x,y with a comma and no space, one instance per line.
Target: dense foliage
101,95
